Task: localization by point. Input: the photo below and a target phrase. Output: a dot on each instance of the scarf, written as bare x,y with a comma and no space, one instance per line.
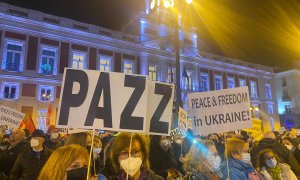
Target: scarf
275,173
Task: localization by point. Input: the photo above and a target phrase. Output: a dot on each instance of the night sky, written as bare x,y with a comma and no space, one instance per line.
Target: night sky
261,31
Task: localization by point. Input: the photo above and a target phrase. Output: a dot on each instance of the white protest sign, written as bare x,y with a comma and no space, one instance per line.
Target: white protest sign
182,118
220,111
10,117
179,132
159,108
113,101
281,130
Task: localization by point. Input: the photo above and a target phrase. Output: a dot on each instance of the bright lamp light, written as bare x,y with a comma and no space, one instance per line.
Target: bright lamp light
189,1
167,3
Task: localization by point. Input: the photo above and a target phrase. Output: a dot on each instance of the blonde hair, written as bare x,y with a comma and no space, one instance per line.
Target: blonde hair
60,160
78,138
195,158
234,146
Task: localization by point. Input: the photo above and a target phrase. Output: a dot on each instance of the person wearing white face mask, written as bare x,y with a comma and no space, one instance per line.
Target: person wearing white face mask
131,160
239,163
30,162
51,140
202,161
270,167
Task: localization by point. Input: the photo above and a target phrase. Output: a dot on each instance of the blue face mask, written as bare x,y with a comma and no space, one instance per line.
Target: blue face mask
271,163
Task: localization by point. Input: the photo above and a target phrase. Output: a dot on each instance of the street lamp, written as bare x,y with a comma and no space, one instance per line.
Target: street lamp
167,4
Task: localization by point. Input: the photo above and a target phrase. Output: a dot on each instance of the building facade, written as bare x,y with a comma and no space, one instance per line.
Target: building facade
36,47
287,91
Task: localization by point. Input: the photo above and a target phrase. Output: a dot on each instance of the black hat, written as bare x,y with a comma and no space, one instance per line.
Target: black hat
38,133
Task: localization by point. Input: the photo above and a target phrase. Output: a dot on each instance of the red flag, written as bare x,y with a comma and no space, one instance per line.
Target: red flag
49,114
27,123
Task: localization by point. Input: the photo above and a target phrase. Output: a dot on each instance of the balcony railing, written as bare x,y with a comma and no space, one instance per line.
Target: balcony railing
14,67
9,95
47,72
286,98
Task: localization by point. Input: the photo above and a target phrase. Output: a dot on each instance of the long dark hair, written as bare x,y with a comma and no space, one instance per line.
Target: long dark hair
261,158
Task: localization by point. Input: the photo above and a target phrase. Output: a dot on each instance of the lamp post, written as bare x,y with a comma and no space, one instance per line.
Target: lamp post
167,4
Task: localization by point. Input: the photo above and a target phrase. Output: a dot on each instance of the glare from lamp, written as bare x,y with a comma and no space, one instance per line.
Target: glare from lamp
189,1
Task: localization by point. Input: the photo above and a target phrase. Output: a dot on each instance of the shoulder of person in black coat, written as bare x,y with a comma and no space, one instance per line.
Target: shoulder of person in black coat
153,176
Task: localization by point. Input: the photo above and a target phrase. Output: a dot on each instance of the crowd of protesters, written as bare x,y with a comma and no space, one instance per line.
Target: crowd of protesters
108,155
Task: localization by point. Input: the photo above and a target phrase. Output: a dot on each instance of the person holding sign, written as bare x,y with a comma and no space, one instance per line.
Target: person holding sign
271,169
67,163
239,164
130,157
202,161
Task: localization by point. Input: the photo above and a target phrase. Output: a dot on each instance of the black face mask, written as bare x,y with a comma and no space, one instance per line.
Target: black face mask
77,174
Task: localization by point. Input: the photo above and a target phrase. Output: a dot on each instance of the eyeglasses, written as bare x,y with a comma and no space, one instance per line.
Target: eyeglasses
134,153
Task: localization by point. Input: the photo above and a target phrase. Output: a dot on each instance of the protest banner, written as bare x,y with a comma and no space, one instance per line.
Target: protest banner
114,101
10,117
295,132
159,108
220,111
281,130
182,118
256,126
178,131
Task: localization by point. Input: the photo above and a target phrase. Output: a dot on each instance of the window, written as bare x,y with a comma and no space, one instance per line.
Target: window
253,89
128,67
46,93
204,83
42,119
270,109
10,90
242,82
105,63
78,60
283,82
48,61
152,73
218,82
171,75
188,81
13,56
230,83
268,91
287,109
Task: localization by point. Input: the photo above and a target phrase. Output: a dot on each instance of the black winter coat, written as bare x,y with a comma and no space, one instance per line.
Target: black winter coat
9,156
283,153
161,160
29,164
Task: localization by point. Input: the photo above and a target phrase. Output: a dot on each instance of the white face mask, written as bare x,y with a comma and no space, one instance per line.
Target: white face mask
54,136
97,150
131,165
214,161
290,147
271,163
34,143
246,158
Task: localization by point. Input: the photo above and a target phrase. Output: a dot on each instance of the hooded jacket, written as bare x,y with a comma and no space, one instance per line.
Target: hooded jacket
283,153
